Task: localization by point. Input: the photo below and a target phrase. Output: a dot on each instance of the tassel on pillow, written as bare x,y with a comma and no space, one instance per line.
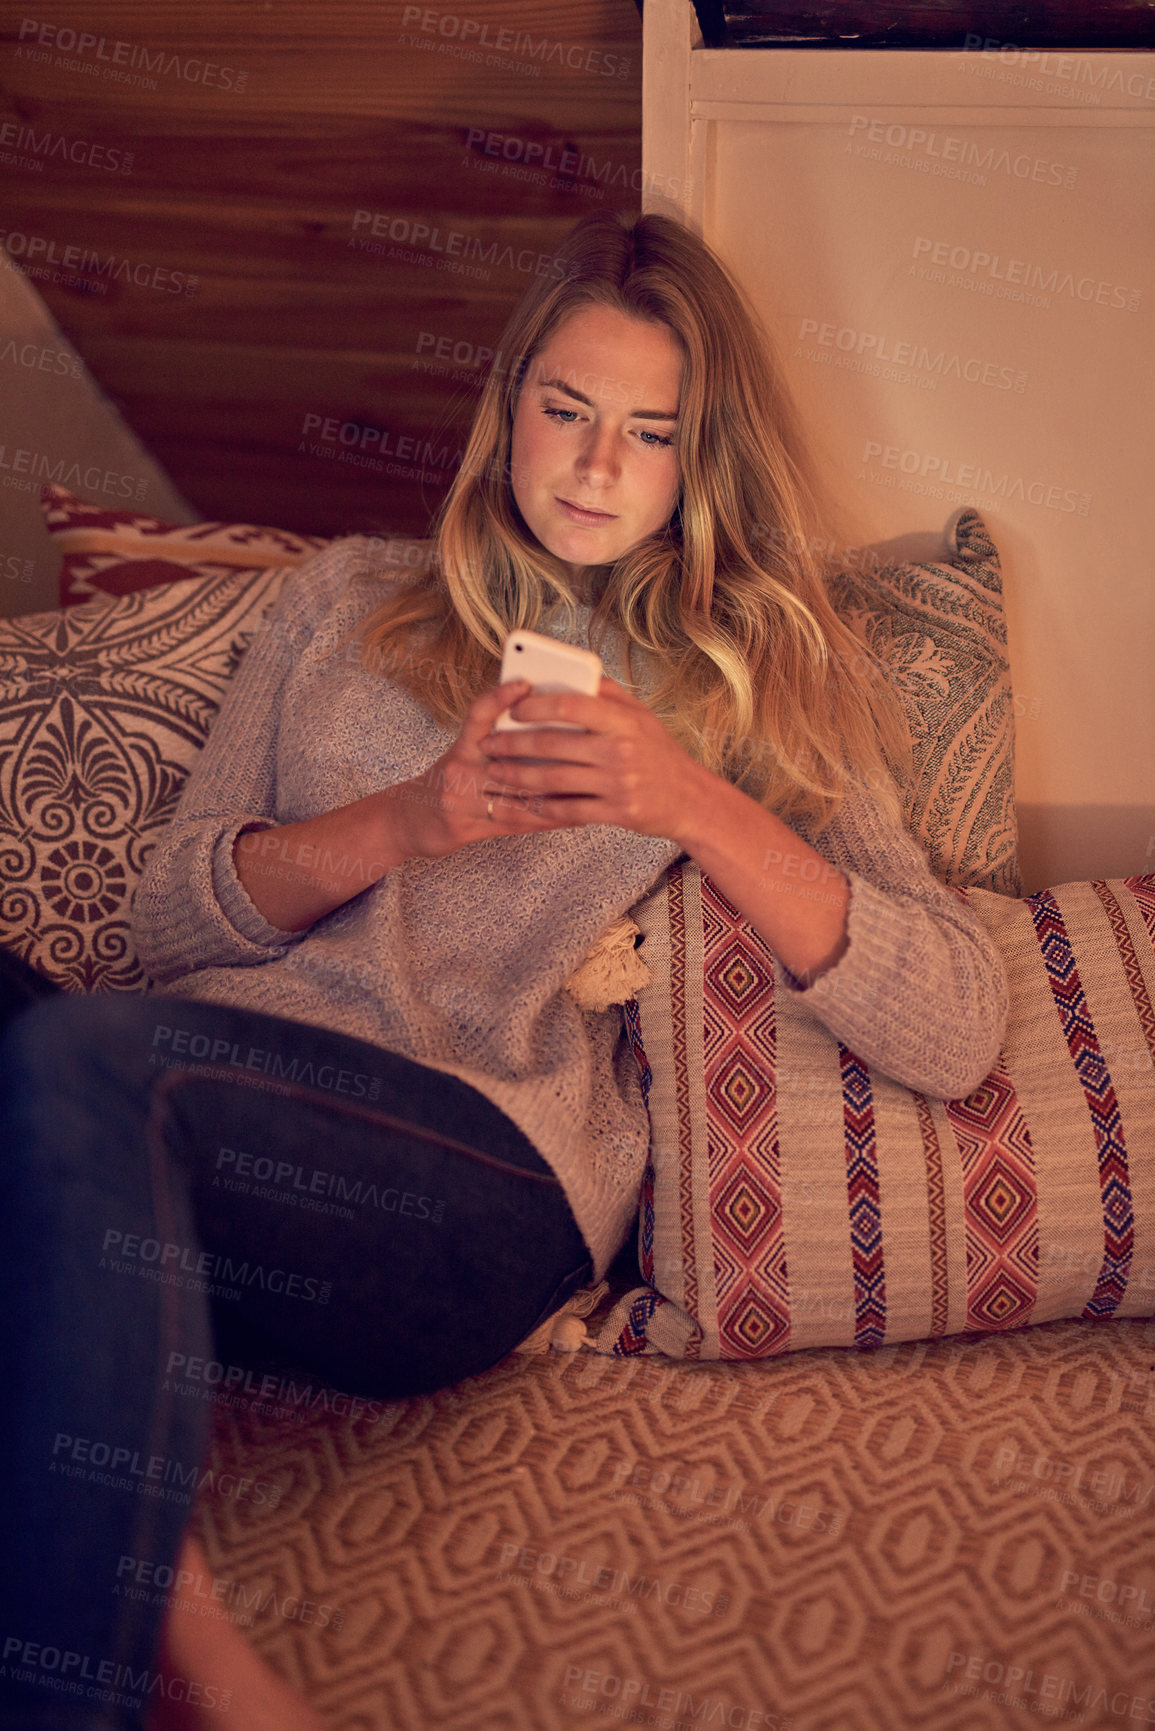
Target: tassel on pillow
565,1330
613,972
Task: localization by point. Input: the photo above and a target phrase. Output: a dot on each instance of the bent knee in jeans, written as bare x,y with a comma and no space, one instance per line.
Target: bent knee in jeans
393,1244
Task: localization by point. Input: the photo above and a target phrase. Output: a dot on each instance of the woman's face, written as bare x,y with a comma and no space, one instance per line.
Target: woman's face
594,461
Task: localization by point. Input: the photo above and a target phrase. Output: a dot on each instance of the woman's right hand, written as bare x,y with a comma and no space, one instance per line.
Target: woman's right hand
296,873
456,801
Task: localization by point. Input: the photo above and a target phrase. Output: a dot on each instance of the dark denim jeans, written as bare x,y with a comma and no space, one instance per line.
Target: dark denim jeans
184,1182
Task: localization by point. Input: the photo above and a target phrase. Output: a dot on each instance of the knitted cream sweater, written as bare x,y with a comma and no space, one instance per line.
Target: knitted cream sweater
461,963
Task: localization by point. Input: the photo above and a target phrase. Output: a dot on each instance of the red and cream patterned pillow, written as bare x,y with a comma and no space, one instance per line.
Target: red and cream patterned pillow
794,1198
116,553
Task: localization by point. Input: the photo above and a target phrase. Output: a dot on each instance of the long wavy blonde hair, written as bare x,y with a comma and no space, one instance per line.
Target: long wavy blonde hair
748,664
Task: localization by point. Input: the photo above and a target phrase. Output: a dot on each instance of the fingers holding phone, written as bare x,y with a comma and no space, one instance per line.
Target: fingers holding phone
594,754
556,777
600,756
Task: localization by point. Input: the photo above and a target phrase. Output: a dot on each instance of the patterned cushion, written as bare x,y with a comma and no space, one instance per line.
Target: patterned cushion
939,629
795,1199
118,552
102,711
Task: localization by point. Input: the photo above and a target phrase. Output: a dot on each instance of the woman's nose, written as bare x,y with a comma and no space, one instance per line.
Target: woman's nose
598,459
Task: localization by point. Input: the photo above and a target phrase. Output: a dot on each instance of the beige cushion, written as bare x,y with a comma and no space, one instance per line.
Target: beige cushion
939,629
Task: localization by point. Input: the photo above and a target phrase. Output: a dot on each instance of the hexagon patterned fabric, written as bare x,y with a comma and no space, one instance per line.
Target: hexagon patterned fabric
952,1536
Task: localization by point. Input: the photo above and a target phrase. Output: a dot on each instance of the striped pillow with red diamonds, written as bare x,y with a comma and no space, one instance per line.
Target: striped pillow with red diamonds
794,1198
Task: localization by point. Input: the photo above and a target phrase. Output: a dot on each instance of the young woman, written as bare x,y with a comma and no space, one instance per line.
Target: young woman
363,1127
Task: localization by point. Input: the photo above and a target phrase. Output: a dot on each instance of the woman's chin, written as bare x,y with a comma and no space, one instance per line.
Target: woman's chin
585,548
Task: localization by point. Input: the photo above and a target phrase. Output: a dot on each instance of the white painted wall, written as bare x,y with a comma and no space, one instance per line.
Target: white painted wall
955,255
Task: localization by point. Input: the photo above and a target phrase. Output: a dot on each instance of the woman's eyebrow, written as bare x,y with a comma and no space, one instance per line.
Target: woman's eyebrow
635,414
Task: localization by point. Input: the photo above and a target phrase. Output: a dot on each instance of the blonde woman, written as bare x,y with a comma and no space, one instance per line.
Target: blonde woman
363,1076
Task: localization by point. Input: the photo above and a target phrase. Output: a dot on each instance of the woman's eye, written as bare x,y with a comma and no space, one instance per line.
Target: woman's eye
567,418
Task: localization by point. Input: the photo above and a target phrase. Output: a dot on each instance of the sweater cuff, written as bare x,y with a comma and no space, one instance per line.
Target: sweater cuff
878,936
874,999
232,897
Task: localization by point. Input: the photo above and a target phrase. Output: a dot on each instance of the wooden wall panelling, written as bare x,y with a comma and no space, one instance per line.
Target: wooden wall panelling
298,308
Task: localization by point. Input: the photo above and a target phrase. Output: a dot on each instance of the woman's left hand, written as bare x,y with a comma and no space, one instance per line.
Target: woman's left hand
627,769
624,769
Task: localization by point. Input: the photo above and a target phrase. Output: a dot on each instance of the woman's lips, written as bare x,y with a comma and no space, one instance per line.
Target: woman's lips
580,514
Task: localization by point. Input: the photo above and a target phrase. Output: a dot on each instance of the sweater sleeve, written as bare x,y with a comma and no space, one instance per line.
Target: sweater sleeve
189,909
920,992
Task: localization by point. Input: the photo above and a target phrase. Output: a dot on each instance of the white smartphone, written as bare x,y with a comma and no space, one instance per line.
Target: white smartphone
549,666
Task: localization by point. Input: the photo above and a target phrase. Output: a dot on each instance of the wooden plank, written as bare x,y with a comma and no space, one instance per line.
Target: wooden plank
326,431
305,60
238,377
260,486
283,292
330,30
319,186
346,504
386,165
